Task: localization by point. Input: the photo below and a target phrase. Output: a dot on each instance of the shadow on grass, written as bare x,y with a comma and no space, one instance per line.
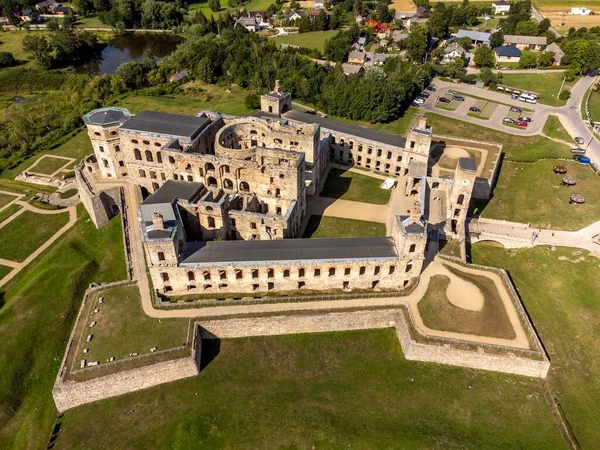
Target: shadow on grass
211,347
336,185
312,226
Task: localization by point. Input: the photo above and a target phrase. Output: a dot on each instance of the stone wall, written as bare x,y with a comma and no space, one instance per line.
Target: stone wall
101,205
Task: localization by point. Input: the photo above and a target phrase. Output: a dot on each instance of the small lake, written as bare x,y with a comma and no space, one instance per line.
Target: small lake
131,47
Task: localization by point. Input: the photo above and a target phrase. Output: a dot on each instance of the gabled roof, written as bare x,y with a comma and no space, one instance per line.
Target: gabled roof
454,47
293,12
534,40
508,51
554,48
357,55
349,69
478,36
362,40
501,3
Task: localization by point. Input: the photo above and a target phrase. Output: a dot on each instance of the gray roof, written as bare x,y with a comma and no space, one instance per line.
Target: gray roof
365,133
176,125
478,36
352,68
174,189
357,55
410,227
106,116
508,51
554,48
467,164
515,39
290,250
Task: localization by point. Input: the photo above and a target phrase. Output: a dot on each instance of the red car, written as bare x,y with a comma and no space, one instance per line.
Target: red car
521,123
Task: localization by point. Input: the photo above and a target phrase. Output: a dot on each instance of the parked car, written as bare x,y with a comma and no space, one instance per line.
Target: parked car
459,98
424,94
578,151
509,120
526,119
420,101
443,100
450,93
515,109
474,109
584,159
578,157
430,88
414,105
514,96
579,140
521,123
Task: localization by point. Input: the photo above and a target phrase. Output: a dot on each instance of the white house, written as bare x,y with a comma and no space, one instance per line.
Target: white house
249,23
582,11
294,15
451,52
507,53
501,7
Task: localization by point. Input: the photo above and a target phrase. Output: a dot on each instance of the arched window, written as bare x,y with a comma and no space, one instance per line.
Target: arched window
171,160
225,169
188,168
137,154
153,174
461,199
142,173
211,222
159,157
412,248
149,157
244,186
206,275
210,166
212,181
253,132
227,183
277,141
155,187
191,276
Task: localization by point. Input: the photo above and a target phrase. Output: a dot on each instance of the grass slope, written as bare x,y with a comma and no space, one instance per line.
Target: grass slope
326,390
562,299
48,165
348,185
335,227
554,129
39,307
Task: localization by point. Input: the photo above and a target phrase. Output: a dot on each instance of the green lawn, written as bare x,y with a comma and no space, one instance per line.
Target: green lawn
335,227
203,6
4,270
8,212
91,22
554,129
562,299
123,328
516,148
546,84
258,5
48,165
398,126
69,193
594,106
315,39
22,236
513,199
12,41
439,314
40,305
326,390
5,199
354,186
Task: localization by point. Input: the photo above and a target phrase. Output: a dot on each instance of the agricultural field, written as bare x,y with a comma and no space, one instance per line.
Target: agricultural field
335,227
315,39
558,13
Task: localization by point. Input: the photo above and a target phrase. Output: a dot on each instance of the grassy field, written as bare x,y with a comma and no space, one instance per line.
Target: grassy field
22,236
398,126
554,129
561,298
326,390
12,41
546,84
334,227
48,165
258,5
123,328
39,307
353,186
554,9
4,270
8,212
516,148
91,22
439,314
513,199
5,199
203,6
315,40
594,106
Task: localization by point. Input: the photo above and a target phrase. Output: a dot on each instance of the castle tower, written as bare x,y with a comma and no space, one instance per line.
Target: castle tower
276,101
410,237
418,139
459,197
103,125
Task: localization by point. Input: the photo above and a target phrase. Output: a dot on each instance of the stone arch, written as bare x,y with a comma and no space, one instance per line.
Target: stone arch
461,199
137,154
142,173
149,156
209,166
212,181
227,183
244,186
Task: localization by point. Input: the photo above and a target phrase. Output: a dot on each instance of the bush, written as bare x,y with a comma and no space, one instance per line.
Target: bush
252,101
565,94
7,60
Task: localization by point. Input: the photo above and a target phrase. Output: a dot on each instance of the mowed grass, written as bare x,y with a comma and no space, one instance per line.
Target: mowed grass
347,185
562,299
594,106
12,42
515,148
23,235
533,193
5,270
547,85
326,390
439,314
205,9
123,327
398,126
48,165
5,199
8,212
91,22
315,39
39,307
335,227
554,129
258,5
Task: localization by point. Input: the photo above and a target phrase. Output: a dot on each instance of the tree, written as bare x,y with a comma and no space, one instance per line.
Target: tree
214,5
205,70
484,57
416,43
528,60
252,101
496,39
358,7
487,76
40,48
543,26
52,25
546,59
321,22
438,23
466,43
565,94
527,28
383,13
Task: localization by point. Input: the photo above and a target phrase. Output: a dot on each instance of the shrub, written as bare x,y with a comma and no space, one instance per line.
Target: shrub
565,94
252,101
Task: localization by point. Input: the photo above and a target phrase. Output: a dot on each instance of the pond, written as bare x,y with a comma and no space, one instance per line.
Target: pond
131,47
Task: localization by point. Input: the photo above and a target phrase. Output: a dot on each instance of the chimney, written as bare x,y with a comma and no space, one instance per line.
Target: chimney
157,221
277,87
422,123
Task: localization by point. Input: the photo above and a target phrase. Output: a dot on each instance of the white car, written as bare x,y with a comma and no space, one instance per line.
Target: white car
419,101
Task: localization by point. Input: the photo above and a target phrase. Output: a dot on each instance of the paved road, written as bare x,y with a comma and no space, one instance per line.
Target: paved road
537,16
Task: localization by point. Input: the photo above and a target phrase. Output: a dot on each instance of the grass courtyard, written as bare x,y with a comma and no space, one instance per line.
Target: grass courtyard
546,84
5,199
335,227
326,390
8,212
513,199
315,39
48,165
348,185
123,328
559,290
39,307
23,235
4,270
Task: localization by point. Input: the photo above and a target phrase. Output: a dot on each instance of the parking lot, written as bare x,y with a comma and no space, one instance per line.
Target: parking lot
491,113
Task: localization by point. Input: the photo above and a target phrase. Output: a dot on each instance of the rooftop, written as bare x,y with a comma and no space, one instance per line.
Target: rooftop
467,164
515,39
478,36
290,250
176,125
106,116
508,51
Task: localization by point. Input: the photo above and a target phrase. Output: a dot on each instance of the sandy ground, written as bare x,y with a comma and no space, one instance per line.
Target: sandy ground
463,294
456,152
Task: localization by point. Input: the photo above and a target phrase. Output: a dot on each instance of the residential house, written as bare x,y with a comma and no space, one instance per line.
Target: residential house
178,76
357,57
384,42
27,15
362,41
404,15
249,23
581,11
558,53
451,52
262,18
371,22
501,7
58,10
377,59
45,5
350,69
507,53
319,4
314,14
421,16
382,30
398,36
478,37
525,42
294,15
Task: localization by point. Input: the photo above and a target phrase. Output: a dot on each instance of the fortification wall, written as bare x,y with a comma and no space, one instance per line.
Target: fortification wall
102,205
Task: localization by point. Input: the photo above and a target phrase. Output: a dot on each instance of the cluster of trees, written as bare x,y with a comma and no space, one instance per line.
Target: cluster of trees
455,15
519,21
338,47
322,22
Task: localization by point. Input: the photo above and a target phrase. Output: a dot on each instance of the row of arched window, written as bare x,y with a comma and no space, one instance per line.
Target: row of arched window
148,154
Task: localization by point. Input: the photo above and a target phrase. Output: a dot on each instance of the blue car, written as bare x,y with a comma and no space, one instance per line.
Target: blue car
430,88
584,160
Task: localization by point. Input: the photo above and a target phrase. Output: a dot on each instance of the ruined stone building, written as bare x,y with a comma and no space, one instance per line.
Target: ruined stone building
226,195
